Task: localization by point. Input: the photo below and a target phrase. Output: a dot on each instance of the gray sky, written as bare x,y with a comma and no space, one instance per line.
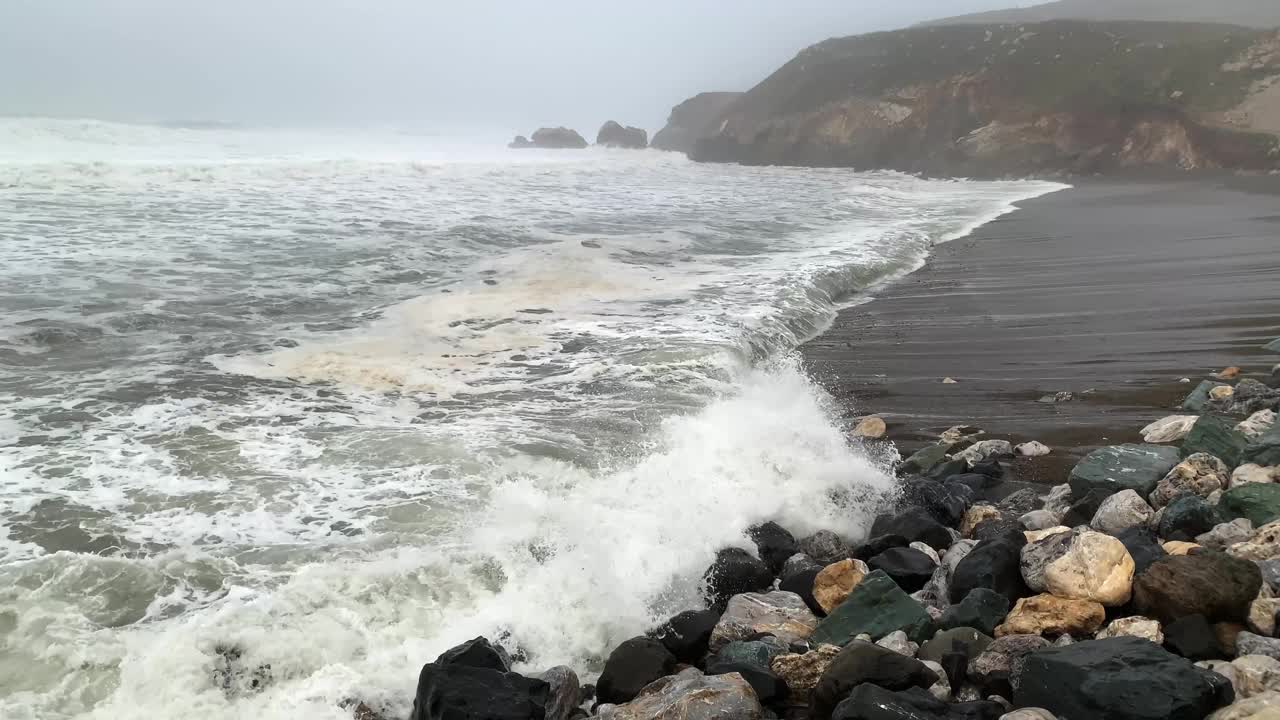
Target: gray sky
457,65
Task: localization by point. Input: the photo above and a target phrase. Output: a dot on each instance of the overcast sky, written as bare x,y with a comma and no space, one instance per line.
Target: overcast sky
428,64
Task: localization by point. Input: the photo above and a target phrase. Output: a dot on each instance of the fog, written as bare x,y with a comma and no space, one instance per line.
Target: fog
431,65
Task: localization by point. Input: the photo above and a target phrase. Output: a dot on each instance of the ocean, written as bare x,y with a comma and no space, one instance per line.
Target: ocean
285,413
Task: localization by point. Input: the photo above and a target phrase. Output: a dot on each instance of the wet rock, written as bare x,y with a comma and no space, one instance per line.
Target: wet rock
478,653
860,664
688,635
993,564
797,563
869,702
982,609
1200,474
924,460
1123,467
446,692
877,607
944,502
802,583
825,547
913,525
691,695
834,583
735,572
999,666
1143,546
1217,437
1034,558
910,569
1198,400
1257,424
774,544
1210,584
1248,643
801,672
1052,616
977,515
1122,678
614,135
1265,706
1032,449
630,667
1260,503
871,427
1192,637
985,449
759,652
1122,511
768,687
1250,473
564,692
1187,517
966,641
781,614
1169,429
1224,535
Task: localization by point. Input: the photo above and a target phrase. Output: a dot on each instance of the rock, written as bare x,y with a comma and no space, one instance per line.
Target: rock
985,449
1225,633
691,695
688,635
967,641
1210,584
1035,536
1270,574
781,614
774,544
1122,511
479,653
695,118
798,563
1187,517
928,552
1001,664
1040,520
1180,547
1143,546
982,609
615,135
1262,616
1053,616
825,547
632,665
1250,473
869,702
877,607
1019,503
957,552
1200,474
834,583
977,515
942,688
768,687
802,672
564,692
1169,429
910,569
1264,544
948,381
735,572
862,663
520,143
871,427
1255,674
1265,706
460,691
945,503
802,584
879,544
1223,392
897,641
1248,643
1198,400
1058,397
1258,502
1257,424
924,460
1058,500
1029,714
993,564
1273,346
1133,626
752,652
1224,535
1120,678
1123,467
1085,507
1214,436
1252,396
1192,637
913,525
1264,450
1228,373
1036,556
553,139
1032,449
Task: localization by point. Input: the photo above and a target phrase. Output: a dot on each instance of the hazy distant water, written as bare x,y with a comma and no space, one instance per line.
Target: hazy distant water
343,400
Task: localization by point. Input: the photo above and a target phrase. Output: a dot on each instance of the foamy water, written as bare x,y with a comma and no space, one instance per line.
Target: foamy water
341,400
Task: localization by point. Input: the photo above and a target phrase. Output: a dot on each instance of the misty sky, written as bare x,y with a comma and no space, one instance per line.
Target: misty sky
429,64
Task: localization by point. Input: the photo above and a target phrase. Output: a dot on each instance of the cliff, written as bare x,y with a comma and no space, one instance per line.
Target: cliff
692,119
1055,97
1249,13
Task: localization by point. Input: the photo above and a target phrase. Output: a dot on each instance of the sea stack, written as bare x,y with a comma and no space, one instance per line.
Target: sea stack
614,135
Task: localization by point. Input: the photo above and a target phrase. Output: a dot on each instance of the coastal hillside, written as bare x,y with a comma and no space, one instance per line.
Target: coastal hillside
1056,97
1250,13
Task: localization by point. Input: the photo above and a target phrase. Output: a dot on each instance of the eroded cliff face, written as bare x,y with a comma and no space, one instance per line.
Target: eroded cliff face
1058,97
694,118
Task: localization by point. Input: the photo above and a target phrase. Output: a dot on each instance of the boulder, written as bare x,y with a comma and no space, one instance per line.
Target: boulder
1143,546
768,687
957,552
1262,616
688,635
1257,424
1053,616
1041,519
1029,714
897,641
1258,502
630,667
774,545
1198,400
1124,678
1200,474
1181,547
1187,517
869,702
690,695
1034,557
1217,437
614,135
1192,637
558,138
999,666
463,692
735,572
861,663
759,652
1085,507
913,525
945,502
985,449
1122,511
1225,535
982,609
1248,643
977,515
802,583
1252,396
942,688
1226,633
1169,429
520,143
1264,450
1133,626
479,653
967,641
1264,544
909,568
781,614
1265,706
993,564
801,672
564,692
876,607
1255,674
1058,500
925,459
825,547
1032,448
834,583
871,427
1251,473
1208,583
1123,467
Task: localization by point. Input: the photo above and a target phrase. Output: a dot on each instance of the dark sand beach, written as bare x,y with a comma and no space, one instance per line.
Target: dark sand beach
1113,290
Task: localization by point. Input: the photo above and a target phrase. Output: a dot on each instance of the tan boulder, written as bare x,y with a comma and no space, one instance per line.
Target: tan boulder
1050,615
1264,545
870,427
802,672
1262,616
1135,626
1251,473
834,583
1179,547
1201,474
1256,674
1264,706
1038,535
1095,567
1222,392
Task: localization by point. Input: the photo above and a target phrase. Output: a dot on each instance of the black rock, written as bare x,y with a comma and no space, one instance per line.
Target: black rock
992,564
1187,516
947,469
825,547
990,467
774,543
1193,638
863,662
945,503
869,702
463,692
995,528
1084,507
982,609
909,568
965,640
1143,546
879,544
477,653
801,583
770,689
687,635
1212,584
735,572
1020,503
1121,678
614,135
632,665
915,525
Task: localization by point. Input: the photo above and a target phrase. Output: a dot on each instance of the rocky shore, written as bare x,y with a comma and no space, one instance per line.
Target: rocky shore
1144,584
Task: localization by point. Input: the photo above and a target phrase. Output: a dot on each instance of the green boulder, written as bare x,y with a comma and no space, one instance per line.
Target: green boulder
925,459
877,607
1264,450
1198,400
1123,467
1217,437
1259,502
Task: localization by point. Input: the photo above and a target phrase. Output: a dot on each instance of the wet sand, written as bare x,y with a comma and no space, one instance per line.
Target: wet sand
1112,290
